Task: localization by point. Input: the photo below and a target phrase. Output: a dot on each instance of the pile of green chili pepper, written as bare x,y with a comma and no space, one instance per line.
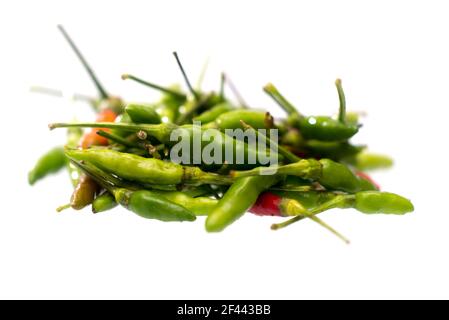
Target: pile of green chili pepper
126,159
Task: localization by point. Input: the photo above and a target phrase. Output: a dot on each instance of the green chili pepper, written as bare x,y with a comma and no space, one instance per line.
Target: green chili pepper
51,162
326,129
371,161
200,206
212,114
168,111
330,174
151,205
172,99
142,113
369,202
336,151
293,138
335,175
148,171
382,202
240,197
231,119
318,127
125,119
103,202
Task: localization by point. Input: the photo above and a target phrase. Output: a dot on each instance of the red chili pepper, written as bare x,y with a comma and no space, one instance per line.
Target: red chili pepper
268,204
365,176
92,138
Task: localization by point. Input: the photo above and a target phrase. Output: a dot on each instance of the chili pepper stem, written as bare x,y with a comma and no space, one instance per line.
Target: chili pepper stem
154,86
339,201
63,207
186,79
329,228
222,83
273,92
341,97
159,131
231,85
117,139
80,56
305,168
202,75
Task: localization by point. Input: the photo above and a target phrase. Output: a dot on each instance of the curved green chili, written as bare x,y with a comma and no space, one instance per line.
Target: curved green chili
372,161
231,119
239,198
144,170
104,202
150,205
213,113
330,174
140,113
51,162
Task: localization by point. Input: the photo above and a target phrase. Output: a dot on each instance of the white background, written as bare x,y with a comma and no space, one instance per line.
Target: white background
393,57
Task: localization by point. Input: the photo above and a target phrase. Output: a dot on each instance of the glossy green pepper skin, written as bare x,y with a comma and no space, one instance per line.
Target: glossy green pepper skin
104,202
232,119
212,114
224,142
168,107
239,198
200,206
337,176
142,114
150,205
124,118
145,170
371,161
330,174
51,162
372,202
336,151
326,128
